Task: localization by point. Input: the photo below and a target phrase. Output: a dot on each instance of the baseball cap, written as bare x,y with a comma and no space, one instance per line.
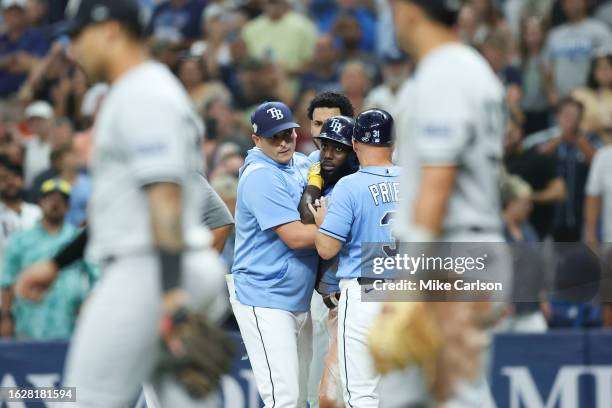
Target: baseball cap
39,109
6,4
81,13
443,11
55,185
272,117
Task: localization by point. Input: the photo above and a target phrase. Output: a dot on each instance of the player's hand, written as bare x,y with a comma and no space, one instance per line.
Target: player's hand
173,300
314,176
34,281
319,210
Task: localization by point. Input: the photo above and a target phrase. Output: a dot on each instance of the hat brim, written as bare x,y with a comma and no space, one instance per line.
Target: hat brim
279,128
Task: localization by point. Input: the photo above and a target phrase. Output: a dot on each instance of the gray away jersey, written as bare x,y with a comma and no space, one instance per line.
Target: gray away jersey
146,132
452,113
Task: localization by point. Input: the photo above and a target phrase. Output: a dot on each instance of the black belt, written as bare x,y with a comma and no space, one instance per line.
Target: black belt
331,300
370,281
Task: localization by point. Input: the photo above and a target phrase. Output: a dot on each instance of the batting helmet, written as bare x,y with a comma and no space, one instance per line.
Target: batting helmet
339,129
374,126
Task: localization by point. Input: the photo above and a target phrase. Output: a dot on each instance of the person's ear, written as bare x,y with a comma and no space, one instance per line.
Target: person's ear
256,140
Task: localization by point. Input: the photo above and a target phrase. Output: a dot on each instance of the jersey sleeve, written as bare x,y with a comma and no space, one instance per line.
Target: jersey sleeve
267,198
11,262
158,138
215,213
594,186
340,214
443,125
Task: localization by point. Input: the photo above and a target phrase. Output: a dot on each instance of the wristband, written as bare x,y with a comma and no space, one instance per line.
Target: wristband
170,263
314,176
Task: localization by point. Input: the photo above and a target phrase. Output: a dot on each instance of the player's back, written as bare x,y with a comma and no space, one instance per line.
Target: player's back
146,132
366,201
452,113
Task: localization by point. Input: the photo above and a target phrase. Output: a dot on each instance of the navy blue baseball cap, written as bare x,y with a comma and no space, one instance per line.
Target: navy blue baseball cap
81,13
272,117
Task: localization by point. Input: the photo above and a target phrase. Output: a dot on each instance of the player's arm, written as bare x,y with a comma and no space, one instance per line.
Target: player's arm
220,235
555,192
216,216
435,188
312,192
335,226
11,266
592,210
297,235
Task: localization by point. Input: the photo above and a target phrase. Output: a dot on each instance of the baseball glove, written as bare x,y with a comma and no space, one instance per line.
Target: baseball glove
444,339
200,355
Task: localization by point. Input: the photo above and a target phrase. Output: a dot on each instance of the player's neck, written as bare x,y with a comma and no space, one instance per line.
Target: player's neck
433,37
128,56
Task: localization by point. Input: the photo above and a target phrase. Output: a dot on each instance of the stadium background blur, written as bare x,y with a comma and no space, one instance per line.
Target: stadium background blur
554,58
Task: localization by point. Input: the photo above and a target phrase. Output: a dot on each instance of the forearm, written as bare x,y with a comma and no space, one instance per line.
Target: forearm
7,301
220,236
586,148
592,210
305,237
553,193
165,205
311,193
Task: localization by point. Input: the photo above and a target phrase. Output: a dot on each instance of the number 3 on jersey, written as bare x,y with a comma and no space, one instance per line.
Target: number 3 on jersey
385,221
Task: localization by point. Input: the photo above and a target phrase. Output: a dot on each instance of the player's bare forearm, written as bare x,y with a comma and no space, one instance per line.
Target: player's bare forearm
436,185
327,247
220,235
554,192
592,209
166,207
7,300
311,193
297,235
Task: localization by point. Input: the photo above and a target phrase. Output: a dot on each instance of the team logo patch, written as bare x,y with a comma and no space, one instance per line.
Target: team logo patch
336,126
366,137
276,113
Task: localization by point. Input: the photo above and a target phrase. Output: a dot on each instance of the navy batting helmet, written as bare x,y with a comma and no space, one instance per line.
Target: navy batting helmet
339,129
374,126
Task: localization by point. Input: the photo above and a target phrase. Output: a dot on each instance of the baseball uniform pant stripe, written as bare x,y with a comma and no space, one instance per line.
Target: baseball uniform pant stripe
281,366
263,345
360,381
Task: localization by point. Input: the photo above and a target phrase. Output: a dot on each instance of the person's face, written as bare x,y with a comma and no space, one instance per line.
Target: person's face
88,48
12,186
574,8
54,207
319,116
603,72
190,73
61,135
495,56
534,34
69,161
39,126
406,18
325,54
14,18
333,155
569,119
275,9
395,73
280,147
354,80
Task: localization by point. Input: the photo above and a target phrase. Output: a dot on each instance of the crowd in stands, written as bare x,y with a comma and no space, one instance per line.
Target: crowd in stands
554,58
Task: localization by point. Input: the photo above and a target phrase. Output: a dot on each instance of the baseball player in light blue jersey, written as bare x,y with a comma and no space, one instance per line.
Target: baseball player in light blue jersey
275,263
362,206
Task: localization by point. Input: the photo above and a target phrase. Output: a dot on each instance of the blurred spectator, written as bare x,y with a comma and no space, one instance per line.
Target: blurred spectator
15,214
604,13
21,46
355,84
39,116
535,100
496,49
227,161
327,17
221,23
529,279
486,18
385,37
38,13
570,47
55,315
223,125
166,47
297,32
573,151
349,32
92,102
517,11
468,25
261,81
540,172
597,97
179,18
200,88
396,70
322,73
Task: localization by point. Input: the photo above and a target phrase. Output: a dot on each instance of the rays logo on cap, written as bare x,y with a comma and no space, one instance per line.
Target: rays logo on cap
275,113
336,126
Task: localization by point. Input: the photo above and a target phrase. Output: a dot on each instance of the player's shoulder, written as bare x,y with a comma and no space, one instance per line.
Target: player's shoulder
150,83
468,63
604,154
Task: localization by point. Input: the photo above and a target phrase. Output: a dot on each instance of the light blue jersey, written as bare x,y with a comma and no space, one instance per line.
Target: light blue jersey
315,156
267,273
361,209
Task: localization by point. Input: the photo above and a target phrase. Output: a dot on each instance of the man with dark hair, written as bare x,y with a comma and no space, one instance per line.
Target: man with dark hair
324,106
573,150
